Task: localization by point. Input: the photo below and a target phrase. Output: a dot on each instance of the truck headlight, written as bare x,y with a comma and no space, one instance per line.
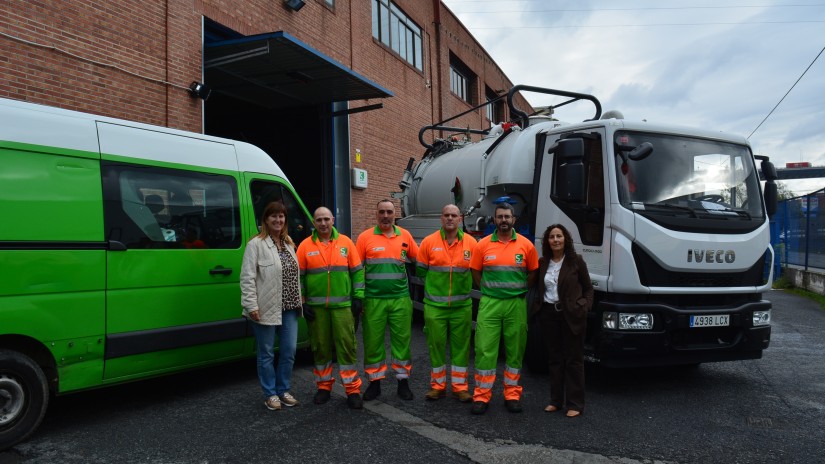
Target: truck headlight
761,318
627,321
635,321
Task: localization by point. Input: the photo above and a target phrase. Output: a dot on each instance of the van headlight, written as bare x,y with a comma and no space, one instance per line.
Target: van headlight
627,321
761,318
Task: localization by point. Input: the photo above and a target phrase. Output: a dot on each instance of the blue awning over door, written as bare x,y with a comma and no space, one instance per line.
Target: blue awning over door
276,70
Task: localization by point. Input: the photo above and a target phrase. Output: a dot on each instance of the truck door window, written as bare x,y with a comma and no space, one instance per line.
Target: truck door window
589,215
149,207
264,192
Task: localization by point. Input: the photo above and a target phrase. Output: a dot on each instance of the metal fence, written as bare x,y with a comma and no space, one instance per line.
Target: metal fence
798,232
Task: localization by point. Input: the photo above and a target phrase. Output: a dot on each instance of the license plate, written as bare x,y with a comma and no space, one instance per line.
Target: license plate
717,320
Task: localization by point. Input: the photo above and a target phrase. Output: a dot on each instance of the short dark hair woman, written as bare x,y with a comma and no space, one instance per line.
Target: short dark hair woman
564,295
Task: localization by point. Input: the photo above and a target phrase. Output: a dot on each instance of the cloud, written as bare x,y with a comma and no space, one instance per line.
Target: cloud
720,67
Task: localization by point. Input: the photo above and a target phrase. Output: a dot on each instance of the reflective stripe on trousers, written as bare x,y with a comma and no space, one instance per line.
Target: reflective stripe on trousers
376,371
459,378
438,377
402,368
512,390
484,385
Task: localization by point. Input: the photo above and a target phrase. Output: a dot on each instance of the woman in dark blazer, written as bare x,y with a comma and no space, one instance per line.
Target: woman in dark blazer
564,295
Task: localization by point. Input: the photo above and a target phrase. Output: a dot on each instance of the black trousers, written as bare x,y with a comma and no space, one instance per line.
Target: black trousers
566,356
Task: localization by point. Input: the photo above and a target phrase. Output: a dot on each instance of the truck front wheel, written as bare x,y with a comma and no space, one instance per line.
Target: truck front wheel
24,395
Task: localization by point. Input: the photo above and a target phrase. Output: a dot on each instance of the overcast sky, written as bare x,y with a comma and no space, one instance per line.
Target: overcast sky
717,64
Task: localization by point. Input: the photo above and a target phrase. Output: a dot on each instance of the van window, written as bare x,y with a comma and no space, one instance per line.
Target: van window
150,207
264,192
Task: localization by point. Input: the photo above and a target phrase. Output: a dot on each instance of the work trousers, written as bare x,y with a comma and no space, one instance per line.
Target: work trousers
378,313
334,327
439,323
566,357
497,316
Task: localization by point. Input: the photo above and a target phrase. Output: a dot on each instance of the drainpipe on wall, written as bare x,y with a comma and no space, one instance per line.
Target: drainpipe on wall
437,85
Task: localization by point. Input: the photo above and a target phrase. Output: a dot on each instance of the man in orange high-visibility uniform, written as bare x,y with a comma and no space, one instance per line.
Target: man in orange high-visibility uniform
332,280
385,249
504,265
444,264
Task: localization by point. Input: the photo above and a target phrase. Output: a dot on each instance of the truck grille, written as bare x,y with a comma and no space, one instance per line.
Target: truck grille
651,274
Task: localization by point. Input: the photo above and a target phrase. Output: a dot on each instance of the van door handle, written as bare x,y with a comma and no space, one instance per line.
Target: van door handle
221,270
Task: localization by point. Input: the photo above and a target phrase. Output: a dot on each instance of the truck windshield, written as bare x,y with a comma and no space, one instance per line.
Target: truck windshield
687,177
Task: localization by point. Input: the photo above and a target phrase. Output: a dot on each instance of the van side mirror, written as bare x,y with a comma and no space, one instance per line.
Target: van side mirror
569,177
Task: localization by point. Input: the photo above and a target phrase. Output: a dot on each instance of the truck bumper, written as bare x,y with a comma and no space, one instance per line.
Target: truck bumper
672,341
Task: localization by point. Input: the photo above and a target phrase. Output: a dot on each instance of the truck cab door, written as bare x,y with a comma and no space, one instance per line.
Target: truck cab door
572,191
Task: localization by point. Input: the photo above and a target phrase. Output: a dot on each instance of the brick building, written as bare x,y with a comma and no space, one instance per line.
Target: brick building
302,79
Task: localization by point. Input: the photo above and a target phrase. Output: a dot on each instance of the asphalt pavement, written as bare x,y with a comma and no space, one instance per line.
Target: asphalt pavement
761,411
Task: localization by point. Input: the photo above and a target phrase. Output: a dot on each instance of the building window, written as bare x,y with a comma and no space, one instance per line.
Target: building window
330,3
396,30
462,80
494,109
458,83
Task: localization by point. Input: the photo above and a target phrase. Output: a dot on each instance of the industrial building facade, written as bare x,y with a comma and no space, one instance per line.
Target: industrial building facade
325,87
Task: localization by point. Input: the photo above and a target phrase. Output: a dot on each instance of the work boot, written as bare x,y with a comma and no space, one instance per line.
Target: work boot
479,407
321,396
354,401
373,390
463,396
513,405
435,394
404,390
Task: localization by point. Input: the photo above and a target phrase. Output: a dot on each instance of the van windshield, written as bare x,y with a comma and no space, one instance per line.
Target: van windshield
688,177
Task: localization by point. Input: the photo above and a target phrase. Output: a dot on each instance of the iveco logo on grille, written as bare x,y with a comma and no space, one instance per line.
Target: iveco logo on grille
711,256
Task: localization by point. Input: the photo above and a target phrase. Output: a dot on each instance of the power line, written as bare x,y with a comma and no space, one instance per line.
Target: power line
720,23
593,10
786,93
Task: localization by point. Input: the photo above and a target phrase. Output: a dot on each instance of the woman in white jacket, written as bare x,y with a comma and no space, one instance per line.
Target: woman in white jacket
271,299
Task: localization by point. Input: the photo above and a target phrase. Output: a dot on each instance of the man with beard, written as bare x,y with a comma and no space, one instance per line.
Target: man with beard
385,249
504,265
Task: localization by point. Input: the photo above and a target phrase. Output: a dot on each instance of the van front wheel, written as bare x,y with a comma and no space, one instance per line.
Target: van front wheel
24,395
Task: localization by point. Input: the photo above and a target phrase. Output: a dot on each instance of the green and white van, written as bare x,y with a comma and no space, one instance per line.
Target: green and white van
120,252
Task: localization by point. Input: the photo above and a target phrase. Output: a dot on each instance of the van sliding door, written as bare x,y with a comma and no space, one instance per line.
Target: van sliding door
176,245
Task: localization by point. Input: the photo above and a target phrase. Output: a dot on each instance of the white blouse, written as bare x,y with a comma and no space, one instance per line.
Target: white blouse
551,281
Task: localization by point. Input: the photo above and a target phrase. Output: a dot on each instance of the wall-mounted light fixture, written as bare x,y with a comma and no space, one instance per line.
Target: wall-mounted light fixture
295,5
200,90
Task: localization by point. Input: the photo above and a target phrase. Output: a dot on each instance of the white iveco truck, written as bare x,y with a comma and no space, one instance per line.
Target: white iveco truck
670,220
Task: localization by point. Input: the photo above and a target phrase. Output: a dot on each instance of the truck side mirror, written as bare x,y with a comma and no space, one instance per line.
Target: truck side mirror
771,197
768,170
569,177
771,190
